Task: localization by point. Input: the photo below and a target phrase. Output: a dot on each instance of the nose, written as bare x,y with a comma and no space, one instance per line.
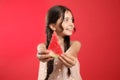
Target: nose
71,24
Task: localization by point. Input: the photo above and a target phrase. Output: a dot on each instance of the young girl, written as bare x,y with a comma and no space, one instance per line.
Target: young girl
59,21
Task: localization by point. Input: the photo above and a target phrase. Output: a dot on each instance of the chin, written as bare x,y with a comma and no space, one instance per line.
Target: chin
68,34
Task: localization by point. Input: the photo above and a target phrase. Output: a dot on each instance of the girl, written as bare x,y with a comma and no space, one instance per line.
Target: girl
59,21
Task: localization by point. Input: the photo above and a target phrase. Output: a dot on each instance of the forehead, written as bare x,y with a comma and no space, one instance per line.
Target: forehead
68,14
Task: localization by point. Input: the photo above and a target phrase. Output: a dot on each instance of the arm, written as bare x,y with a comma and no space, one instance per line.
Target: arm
69,58
74,48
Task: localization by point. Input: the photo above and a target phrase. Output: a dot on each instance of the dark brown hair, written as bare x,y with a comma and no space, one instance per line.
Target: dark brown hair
53,15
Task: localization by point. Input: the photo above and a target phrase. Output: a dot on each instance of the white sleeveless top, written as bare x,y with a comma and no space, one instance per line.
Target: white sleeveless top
59,71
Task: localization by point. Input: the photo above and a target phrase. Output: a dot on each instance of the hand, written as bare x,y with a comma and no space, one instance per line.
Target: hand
44,56
68,60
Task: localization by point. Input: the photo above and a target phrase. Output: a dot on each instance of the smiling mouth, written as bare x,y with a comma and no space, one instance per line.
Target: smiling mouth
69,29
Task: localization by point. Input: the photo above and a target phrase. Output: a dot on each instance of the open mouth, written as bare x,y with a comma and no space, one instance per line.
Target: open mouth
69,29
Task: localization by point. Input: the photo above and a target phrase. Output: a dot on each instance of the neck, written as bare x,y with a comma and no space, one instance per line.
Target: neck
60,40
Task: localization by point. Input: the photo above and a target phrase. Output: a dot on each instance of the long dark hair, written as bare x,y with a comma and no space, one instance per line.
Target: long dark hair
53,15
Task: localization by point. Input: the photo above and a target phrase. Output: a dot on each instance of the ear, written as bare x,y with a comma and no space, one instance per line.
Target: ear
52,26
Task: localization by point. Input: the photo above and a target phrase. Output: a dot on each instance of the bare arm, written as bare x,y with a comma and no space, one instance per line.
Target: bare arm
74,48
69,58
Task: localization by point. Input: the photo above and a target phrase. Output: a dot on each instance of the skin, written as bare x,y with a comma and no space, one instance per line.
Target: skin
69,58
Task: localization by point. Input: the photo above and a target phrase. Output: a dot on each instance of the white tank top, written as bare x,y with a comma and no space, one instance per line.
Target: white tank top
59,71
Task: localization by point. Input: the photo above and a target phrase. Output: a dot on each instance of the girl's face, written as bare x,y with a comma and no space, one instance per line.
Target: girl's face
67,25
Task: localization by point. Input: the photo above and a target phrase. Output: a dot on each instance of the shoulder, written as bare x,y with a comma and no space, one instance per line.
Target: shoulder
75,44
74,48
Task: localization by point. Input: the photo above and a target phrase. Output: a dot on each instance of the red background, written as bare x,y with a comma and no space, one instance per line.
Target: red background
22,27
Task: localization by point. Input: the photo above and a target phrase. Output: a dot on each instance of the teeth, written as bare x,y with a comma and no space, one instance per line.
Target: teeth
69,29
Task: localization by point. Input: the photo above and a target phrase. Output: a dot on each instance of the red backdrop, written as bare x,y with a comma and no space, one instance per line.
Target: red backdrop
22,27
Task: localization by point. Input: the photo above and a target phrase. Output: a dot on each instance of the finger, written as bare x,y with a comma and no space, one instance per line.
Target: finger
43,52
43,56
64,62
46,60
69,56
41,47
69,59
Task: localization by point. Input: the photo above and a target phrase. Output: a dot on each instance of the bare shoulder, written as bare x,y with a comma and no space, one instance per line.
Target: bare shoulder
75,43
74,48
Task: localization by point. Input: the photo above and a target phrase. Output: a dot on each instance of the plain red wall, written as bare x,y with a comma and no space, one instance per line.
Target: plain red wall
22,27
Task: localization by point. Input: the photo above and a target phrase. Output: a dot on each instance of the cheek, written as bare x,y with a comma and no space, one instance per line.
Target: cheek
64,26
59,29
